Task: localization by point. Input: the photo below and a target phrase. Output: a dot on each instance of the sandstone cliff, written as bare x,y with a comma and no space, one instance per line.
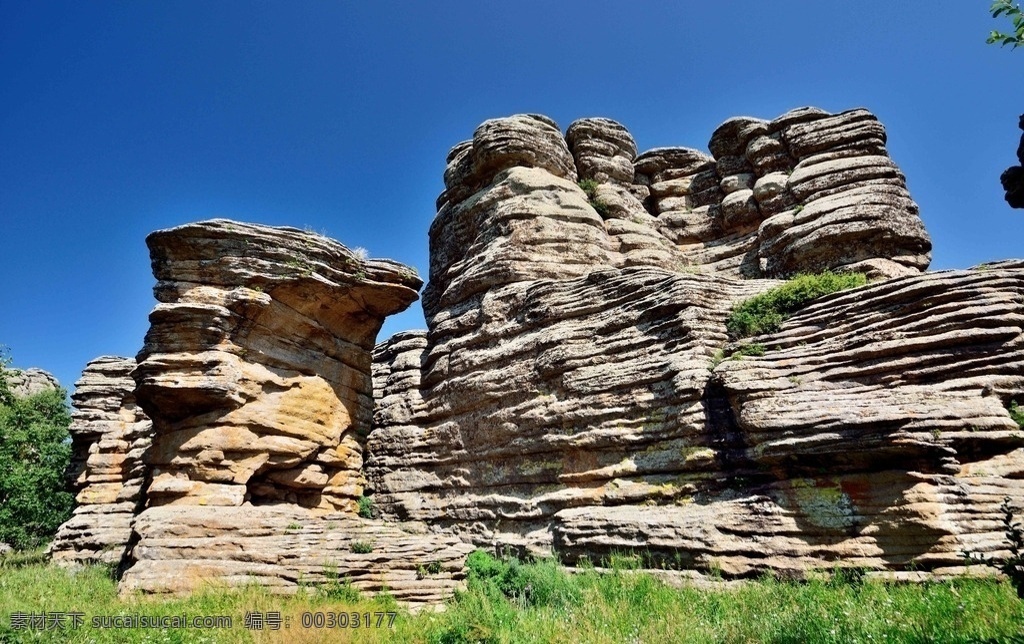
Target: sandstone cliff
566,394
577,391
256,374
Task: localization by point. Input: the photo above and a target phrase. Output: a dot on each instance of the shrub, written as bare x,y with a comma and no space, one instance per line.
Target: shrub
367,508
766,312
34,454
542,583
361,547
1016,413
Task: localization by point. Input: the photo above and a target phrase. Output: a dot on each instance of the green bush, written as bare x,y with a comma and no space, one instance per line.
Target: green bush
361,547
34,453
367,508
766,312
542,583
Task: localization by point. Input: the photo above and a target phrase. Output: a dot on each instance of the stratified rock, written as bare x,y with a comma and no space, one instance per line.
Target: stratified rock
576,389
29,382
874,431
181,549
256,366
109,439
602,149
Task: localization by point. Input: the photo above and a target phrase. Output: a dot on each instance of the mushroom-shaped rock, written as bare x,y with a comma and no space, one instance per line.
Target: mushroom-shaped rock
256,365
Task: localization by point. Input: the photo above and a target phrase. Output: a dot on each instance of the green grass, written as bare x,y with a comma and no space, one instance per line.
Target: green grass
766,312
511,601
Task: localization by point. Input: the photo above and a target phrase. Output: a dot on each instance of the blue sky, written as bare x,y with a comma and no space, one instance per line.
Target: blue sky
119,118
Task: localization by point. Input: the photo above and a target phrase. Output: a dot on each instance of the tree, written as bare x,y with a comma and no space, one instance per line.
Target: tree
34,453
1013,12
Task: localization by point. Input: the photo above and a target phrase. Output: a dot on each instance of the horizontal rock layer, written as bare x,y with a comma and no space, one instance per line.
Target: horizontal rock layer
110,437
256,367
182,549
589,416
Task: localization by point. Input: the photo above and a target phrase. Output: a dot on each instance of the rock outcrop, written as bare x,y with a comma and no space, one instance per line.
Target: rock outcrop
570,393
256,374
29,382
110,437
256,366
1013,177
576,390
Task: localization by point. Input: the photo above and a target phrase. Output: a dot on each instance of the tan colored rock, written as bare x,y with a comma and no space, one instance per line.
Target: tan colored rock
110,437
29,382
182,549
256,365
602,149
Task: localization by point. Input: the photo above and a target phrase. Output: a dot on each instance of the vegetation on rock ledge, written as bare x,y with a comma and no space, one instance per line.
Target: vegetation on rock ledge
766,312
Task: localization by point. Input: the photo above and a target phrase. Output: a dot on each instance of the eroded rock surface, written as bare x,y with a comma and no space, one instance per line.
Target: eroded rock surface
256,367
574,390
29,382
110,437
183,548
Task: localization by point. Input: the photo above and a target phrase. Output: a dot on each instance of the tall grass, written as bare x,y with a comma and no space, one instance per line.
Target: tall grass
510,601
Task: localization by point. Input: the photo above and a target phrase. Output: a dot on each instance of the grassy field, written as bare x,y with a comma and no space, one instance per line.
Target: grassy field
540,602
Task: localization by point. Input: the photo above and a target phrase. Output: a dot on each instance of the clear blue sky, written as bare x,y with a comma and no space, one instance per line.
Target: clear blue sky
119,118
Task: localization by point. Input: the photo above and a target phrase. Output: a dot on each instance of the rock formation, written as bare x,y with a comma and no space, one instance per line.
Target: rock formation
1013,177
567,393
256,373
109,439
28,382
576,391
256,367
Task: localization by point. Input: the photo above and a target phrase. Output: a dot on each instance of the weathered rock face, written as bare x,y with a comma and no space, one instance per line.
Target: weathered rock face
576,390
256,372
29,382
110,436
568,393
1013,177
874,431
256,367
282,546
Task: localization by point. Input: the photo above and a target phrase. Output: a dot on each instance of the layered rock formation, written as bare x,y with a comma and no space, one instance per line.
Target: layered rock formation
256,367
1012,178
256,373
110,436
576,390
567,393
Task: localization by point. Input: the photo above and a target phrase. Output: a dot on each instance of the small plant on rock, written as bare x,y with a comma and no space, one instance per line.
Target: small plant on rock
367,508
766,312
589,186
1016,413
361,547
